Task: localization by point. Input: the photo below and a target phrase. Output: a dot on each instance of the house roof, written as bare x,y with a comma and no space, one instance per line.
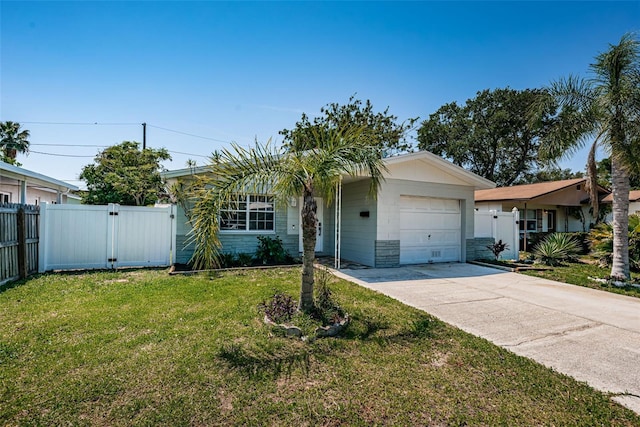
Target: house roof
34,178
525,192
431,159
438,162
634,196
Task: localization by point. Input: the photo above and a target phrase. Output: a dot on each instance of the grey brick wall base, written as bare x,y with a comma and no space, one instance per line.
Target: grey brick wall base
477,248
387,253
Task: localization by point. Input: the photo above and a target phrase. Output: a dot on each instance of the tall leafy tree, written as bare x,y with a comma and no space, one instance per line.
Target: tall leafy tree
603,172
126,175
381,128
549,174
604,108
488,135
310,169
13,141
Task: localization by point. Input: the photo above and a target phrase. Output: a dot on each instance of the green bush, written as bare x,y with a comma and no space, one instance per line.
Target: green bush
555,248
583,241
601,241
271,252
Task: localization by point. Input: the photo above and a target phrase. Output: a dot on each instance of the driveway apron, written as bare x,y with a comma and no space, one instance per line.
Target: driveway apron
590,335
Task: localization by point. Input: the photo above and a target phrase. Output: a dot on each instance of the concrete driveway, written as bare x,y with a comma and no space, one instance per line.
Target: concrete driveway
591,335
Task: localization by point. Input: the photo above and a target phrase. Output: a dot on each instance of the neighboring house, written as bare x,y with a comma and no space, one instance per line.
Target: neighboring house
634,202
544,207
424,212
18,185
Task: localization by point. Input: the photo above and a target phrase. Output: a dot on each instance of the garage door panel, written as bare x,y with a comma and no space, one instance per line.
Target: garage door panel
429,230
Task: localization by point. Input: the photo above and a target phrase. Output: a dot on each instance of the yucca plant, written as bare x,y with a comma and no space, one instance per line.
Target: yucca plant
555,248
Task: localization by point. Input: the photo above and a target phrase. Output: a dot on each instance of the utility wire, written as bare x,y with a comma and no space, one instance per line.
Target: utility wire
127,124
98,146
81,123
70,145
58,155
188,134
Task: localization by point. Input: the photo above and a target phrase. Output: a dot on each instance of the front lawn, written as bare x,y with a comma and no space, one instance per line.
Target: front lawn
578,273
145,348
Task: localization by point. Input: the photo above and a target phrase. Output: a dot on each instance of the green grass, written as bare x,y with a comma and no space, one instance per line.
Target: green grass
145,348
578,273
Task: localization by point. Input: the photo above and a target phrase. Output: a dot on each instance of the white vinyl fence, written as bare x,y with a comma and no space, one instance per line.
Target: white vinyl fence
112,236
501,226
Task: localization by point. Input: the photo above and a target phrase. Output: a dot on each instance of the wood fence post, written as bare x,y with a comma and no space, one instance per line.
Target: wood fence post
23,268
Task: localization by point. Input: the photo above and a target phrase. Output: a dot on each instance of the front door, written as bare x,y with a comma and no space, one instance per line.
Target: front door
551,221
319,225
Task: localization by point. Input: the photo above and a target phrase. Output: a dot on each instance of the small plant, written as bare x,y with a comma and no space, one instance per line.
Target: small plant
227,260
271,251
556,248
244,259
497,248
280,308
327,310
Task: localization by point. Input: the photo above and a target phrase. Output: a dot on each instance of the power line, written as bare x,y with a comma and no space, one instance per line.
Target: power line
127,124
81,123
99,146
58,155
71,145
188,154
188,134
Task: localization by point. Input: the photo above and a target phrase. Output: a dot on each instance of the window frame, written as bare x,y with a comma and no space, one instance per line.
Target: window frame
244,215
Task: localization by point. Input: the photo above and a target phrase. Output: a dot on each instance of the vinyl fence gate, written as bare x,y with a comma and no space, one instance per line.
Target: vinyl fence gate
501,226
97,237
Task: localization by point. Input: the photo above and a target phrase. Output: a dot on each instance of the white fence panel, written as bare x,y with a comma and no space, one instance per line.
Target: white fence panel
501,226
145,236
93,237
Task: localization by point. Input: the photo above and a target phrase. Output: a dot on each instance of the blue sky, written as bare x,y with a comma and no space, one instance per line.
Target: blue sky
235,71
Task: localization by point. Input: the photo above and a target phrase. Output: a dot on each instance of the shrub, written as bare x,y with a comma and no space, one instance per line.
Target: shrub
227,260
271,251
497,248
244,259
280,308
601,242
583,241
555,248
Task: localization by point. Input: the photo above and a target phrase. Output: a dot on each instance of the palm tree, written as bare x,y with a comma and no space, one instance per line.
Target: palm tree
605,109
12,141
287,173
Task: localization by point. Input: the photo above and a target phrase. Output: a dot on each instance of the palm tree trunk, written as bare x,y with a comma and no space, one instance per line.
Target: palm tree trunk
309,220
620,189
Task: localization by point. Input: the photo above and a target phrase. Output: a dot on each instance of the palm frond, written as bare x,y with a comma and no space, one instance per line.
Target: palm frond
591,184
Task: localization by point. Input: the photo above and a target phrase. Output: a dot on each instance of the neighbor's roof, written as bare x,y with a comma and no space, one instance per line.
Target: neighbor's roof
634,196
525,192
34,178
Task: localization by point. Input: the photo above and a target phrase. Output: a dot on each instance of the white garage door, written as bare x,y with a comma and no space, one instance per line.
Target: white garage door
429,230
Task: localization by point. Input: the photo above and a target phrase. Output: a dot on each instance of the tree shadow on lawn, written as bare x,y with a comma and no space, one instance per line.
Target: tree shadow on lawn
276,358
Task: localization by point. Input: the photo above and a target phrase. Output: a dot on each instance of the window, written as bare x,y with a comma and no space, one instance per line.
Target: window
530,221
248,213
5,197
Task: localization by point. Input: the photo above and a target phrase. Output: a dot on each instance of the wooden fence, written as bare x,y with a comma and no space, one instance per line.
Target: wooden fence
19,239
